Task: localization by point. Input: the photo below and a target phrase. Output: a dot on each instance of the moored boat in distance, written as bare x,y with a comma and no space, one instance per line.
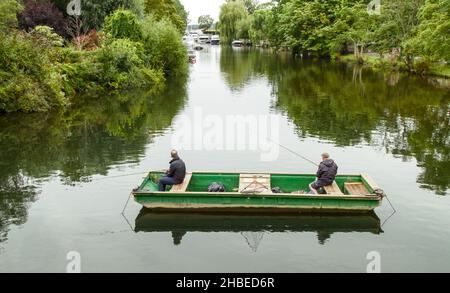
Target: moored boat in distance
215,40
237,43
192,56
245,192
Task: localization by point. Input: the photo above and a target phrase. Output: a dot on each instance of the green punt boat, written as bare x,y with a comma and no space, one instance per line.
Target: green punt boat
249,192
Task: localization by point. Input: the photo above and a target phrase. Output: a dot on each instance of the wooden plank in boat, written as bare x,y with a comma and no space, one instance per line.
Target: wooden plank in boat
183,186
333,189
356,188
370,181
255,183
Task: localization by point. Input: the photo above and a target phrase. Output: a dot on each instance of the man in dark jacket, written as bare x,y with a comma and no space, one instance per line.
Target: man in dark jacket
325,175
176,173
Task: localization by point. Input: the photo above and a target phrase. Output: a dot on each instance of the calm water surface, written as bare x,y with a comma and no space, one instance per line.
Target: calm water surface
62,183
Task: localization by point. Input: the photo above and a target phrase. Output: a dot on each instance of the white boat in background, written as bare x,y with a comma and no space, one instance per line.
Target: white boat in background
204,39
237,43
215,40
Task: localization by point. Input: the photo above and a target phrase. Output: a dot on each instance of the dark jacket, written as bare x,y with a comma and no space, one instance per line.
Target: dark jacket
177,170
327,171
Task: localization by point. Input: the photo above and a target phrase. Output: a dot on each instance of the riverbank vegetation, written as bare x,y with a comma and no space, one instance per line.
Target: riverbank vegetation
48,58
411,35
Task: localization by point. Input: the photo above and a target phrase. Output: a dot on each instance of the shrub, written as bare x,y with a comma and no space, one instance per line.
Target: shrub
123,24
122,65
95,11
8,11
163,47
47,36
89,41
29,79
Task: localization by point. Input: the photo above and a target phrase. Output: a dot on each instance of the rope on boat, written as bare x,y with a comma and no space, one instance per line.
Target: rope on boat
393,209
293,152
126,204
128,222
255,181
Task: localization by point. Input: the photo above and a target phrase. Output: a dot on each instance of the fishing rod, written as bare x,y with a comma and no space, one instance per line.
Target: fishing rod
119,176
308,160
293,152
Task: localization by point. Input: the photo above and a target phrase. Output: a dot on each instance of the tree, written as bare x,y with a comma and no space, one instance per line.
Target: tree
94,12
251,5
43,12
205,22
433,34
354,24
259,31
164,47
243,28
230,14
398,23
172,10
123,24
303,24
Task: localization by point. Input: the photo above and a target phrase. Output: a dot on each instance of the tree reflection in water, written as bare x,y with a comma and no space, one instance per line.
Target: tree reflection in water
346,105
94,134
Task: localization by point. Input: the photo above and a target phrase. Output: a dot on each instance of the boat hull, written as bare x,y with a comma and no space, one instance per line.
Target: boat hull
197,203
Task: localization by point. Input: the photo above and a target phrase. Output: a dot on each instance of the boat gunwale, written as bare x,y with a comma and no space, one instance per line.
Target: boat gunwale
253,195
364,177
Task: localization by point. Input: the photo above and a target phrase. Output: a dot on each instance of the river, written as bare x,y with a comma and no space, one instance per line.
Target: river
65,177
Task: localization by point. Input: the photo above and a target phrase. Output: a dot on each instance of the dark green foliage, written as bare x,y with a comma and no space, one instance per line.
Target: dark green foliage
94,12
172,10
29,78
163,47
405,29
39,70
8,12
122,66
123,24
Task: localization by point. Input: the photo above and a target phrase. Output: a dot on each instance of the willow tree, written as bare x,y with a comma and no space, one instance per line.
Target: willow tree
205,22
231,14
172,10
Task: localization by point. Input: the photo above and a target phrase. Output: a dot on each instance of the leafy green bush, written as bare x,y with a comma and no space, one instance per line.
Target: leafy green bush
123,24
8,13
47,35
29,79
122,66
163,47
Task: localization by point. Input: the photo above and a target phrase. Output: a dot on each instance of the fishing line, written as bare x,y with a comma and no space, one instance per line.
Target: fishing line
119,176
293,152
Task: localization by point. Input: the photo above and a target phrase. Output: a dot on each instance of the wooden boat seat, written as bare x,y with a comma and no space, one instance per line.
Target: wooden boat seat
333,189
255,184
183,186
356,188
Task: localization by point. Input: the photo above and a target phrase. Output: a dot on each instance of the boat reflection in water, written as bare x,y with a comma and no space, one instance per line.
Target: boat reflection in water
253,226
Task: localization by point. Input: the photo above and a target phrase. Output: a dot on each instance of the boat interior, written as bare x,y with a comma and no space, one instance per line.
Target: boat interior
358,185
